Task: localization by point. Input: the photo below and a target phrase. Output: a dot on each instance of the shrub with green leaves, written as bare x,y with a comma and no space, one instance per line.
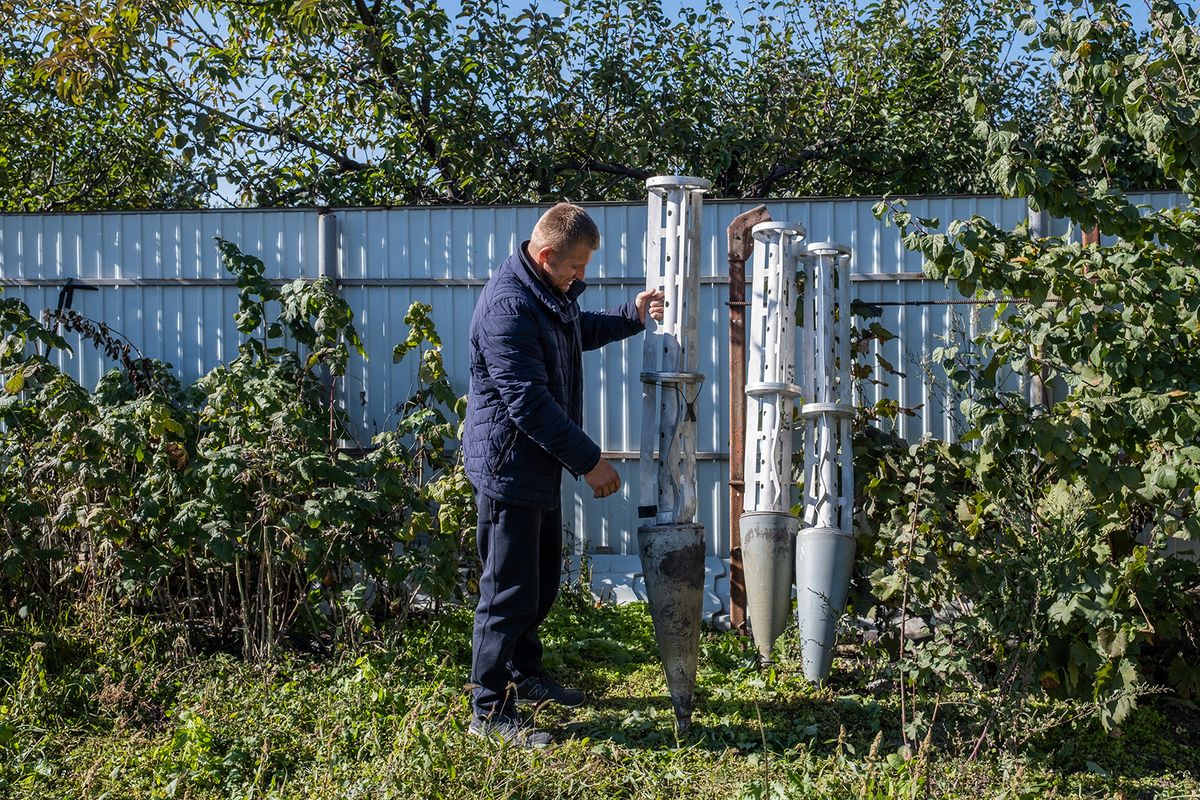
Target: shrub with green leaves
228,503
1047,543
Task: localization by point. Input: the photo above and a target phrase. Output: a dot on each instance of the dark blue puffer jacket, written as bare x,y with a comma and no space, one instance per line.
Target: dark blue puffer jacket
525,404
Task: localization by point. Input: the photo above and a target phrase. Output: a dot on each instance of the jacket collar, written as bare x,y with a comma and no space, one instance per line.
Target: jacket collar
563,305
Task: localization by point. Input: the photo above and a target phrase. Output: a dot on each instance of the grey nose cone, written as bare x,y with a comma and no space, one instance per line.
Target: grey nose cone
769,559
673,567
824,560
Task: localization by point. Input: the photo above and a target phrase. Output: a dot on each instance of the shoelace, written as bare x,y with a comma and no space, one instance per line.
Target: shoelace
548,683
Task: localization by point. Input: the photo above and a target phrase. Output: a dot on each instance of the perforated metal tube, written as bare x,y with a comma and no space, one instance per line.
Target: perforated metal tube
771,373
670,380
767,525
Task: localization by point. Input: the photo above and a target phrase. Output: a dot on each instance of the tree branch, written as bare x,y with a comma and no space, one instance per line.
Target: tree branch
604,167
344,162
823,151
796,163
430,145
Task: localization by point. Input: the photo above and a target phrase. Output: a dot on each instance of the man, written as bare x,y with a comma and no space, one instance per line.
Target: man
524,413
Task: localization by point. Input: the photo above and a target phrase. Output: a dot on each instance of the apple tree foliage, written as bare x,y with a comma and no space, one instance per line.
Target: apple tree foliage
384,102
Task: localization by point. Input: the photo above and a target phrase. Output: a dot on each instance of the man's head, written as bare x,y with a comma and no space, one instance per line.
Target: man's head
562,244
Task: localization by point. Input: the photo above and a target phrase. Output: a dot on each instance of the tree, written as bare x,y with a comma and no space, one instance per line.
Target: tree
106,147
386,102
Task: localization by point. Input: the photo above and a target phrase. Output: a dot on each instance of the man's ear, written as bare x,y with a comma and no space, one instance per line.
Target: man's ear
543,255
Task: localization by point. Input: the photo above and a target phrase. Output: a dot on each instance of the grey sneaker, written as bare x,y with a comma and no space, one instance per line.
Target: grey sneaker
510,730
542,688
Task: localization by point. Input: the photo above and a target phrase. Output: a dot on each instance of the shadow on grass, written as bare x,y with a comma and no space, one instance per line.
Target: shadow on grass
822,726
775,726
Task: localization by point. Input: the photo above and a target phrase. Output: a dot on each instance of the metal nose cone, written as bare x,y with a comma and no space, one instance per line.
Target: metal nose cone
769,560
673,567
824,560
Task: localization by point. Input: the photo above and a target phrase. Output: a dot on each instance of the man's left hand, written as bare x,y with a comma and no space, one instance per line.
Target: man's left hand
650,300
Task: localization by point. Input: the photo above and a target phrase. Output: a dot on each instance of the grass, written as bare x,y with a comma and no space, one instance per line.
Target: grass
124,708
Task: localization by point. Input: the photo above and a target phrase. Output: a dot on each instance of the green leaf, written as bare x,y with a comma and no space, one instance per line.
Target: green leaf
1165,477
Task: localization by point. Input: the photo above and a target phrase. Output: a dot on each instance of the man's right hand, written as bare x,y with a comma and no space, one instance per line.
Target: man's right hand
603,479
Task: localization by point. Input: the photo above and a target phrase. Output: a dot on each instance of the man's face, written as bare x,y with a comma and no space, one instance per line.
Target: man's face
561,269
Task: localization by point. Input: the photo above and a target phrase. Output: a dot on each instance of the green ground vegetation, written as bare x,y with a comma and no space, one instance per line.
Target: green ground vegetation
99,706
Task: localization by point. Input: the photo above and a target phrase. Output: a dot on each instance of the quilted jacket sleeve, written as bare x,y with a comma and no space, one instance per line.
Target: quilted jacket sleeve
516,364
598,329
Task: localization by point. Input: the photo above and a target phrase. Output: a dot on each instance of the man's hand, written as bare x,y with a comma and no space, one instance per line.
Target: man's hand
650,300
603,479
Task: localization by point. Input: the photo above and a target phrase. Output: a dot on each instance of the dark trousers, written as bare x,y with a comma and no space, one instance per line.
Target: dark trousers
521,553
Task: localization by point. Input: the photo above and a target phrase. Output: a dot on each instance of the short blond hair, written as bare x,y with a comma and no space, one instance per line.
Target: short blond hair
564,227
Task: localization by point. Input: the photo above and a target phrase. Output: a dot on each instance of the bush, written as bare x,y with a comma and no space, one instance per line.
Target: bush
228,504
1042,546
